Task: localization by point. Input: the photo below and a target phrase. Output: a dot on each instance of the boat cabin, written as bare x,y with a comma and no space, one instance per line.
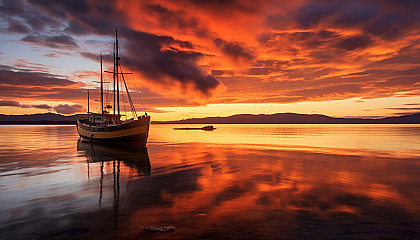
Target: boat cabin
96,119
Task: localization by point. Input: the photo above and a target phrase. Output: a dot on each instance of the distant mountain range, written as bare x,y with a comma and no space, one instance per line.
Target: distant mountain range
295,118
277,118
39,118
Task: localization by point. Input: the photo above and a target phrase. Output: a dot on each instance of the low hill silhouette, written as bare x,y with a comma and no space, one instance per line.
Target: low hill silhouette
277,118
295,118
39,118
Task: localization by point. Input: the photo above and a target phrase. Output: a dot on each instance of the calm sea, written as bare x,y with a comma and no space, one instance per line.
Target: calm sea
236,182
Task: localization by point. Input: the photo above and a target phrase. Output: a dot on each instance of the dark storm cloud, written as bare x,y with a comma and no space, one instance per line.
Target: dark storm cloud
21,15
38,106
222,7
68,109
355,42
406,110
38,21
399,81
312,14
342,13
402,109
25,84
77,28
387,26
12,7
62,108
406,56
99,16
17,27
259,71
406,113
177,19
217,72
145,55
233,50
42,106
9,103
26,78
385,19
57,41
356,13
60,8
91,56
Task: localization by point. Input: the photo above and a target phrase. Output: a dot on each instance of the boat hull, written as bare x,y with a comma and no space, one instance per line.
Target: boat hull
134,131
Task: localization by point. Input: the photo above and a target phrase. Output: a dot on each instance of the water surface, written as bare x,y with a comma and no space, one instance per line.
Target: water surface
236,182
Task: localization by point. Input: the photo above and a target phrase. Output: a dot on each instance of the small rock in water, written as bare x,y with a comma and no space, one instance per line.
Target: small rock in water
159,229
200,215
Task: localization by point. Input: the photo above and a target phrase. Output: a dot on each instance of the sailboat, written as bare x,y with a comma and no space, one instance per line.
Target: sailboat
105,126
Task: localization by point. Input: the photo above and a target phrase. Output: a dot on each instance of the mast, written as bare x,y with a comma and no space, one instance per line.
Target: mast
102,90
88,112
88,99
113,91
117,58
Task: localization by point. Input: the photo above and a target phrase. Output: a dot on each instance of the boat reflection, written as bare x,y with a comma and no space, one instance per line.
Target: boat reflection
133,157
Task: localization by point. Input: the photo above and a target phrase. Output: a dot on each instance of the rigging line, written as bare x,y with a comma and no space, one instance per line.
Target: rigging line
94,96
123,105
133,109
132,78
109,79
138,94
107,91
125,102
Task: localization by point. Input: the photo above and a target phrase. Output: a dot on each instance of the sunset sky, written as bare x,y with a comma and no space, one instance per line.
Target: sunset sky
193,58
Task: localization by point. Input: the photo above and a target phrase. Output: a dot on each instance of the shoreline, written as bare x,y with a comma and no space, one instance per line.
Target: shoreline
74,123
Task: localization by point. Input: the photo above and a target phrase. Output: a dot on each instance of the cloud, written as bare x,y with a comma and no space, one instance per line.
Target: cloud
234,51
403,109
39,22
177,19
55,54
12,7
18,83
27,78
11,103
42,106
220,7
354,42
56,41
60,8
25,18
68,109
146,56
77,28
17,27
